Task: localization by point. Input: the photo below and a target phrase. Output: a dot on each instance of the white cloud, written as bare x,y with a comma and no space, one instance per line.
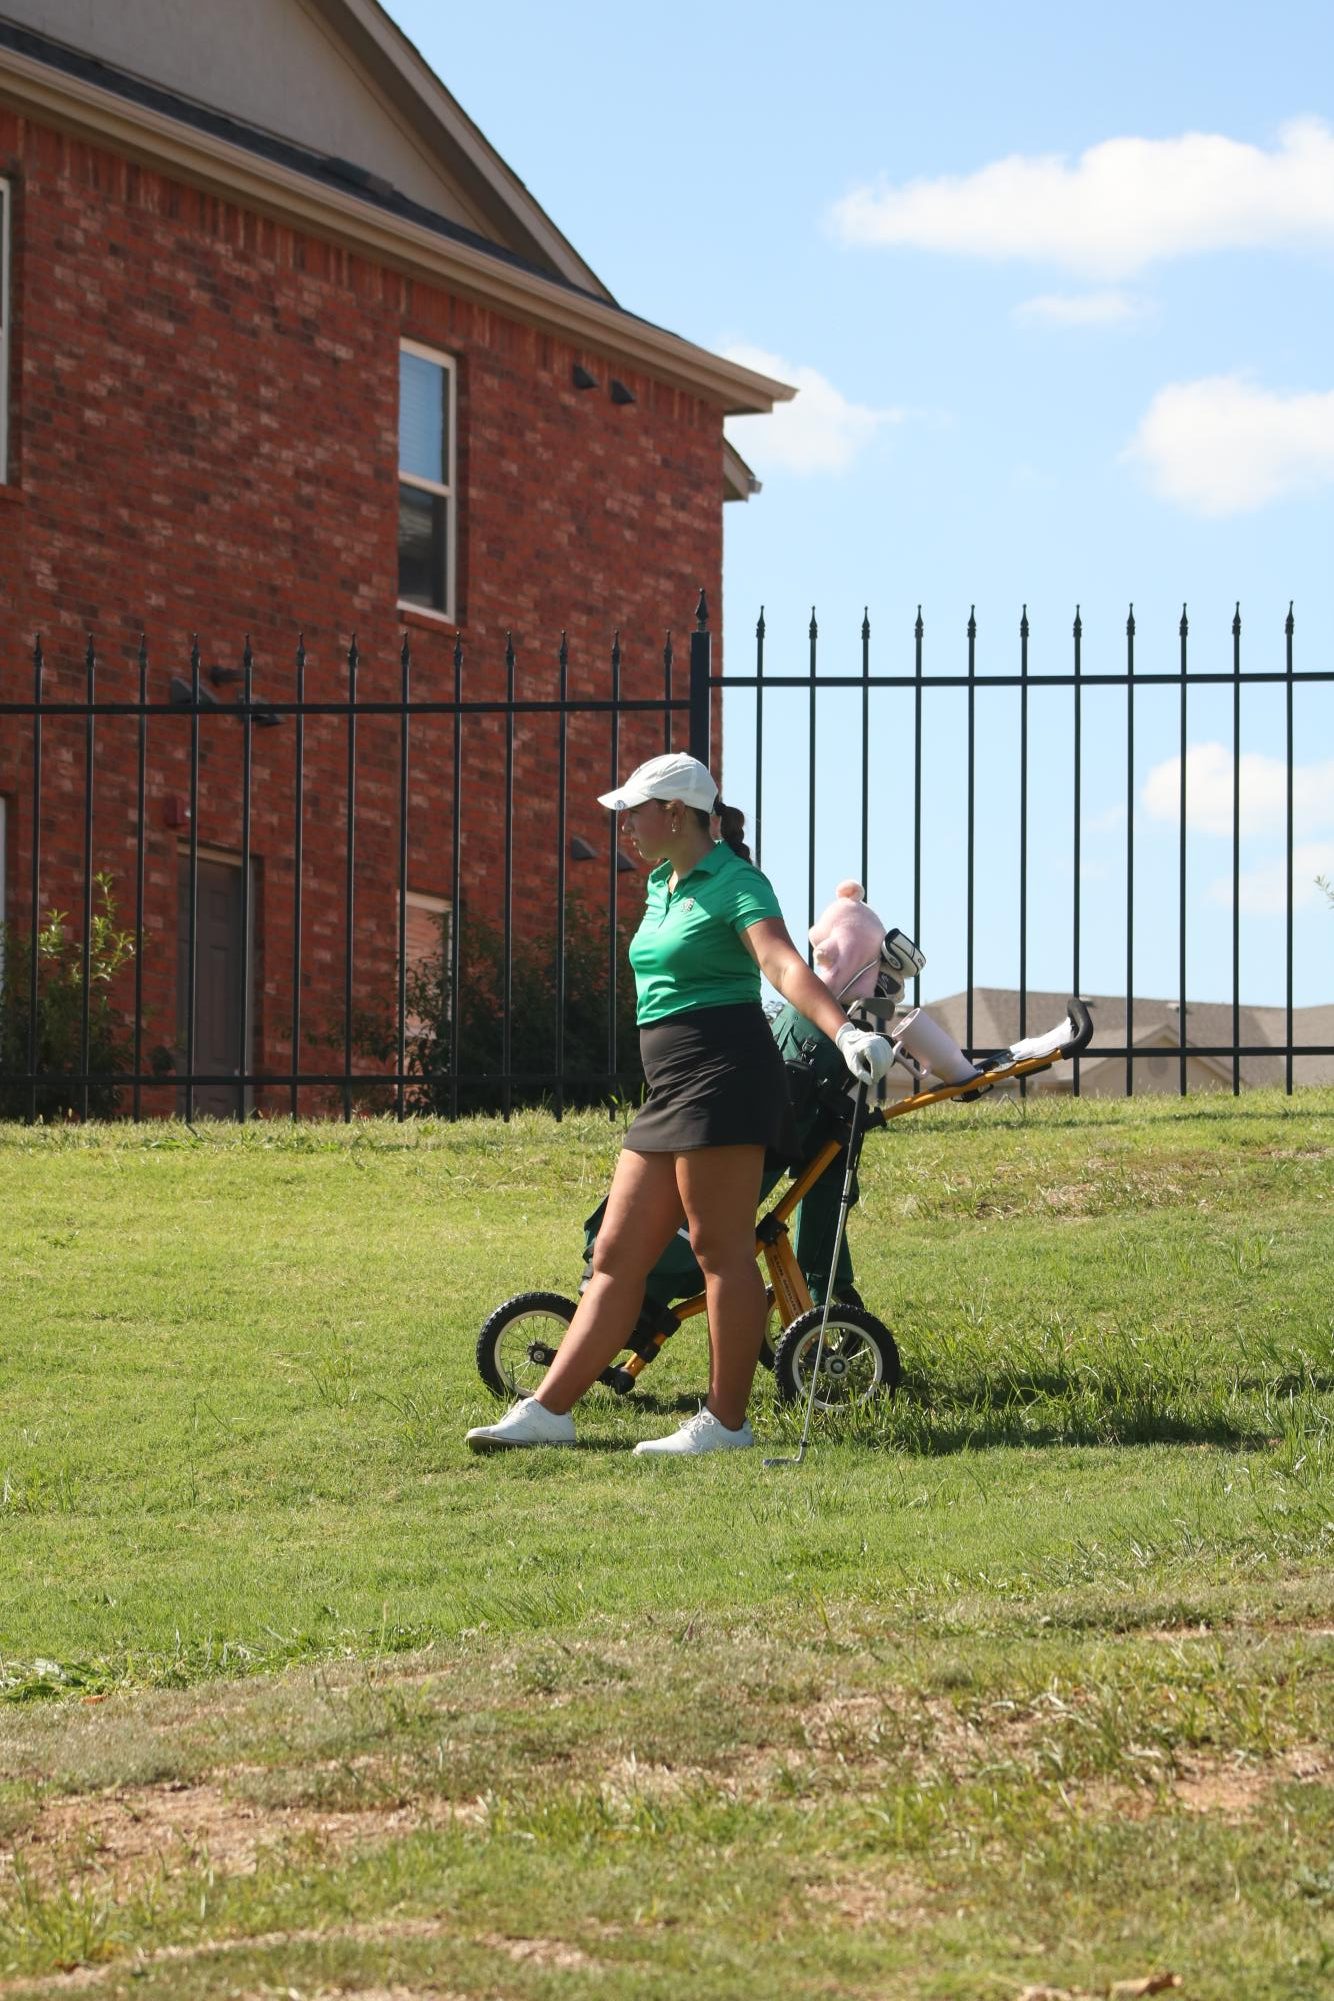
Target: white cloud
1120,206
1263,797
1081,309
1222,446
1263,891
820,431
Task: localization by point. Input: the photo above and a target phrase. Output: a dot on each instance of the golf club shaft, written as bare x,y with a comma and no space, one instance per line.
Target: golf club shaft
858,1107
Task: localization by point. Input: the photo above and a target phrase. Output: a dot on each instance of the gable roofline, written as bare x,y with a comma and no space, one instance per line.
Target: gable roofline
44,79
440,120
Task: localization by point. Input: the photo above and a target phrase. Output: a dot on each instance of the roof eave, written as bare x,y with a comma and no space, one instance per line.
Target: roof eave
223,168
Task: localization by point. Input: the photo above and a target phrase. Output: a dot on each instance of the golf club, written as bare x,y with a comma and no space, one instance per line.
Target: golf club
854,1148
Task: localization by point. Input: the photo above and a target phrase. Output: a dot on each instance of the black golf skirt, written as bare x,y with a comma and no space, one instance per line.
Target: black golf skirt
715,1078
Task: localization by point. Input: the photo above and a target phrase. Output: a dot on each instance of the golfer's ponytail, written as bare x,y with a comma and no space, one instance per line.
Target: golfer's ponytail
732,827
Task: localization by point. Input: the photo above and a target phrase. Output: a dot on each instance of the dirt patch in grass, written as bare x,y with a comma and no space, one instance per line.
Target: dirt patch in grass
135,1831
860,1898
552,1954
391,1931
549,1954
1230,1790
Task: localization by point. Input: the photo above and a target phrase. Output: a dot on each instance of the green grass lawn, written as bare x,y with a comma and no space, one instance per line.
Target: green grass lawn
1025,1679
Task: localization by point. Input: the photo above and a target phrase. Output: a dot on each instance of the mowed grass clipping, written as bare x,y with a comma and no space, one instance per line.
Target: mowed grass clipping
1024,1678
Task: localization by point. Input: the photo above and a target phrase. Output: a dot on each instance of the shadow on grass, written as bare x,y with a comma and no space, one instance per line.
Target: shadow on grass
933,1434
1036,1410
1111,1387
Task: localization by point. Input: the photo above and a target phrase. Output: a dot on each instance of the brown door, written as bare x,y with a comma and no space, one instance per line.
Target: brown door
219,972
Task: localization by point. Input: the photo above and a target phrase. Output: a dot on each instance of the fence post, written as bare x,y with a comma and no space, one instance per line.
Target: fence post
701,663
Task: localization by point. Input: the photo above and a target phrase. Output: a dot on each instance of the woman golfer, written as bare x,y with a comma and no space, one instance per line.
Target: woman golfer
717,1099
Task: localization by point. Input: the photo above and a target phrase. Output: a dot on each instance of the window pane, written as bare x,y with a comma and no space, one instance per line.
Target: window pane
422,522
423,419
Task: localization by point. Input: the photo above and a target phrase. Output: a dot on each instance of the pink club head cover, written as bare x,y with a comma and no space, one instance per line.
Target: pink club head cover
847,939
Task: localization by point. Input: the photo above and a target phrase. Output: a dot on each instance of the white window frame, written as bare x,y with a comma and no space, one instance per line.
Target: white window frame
448,493
6,258
434,906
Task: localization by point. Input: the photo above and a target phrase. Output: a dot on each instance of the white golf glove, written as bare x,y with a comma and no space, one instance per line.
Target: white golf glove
867,1056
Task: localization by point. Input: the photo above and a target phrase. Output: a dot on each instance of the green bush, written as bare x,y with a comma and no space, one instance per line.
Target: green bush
532,1020
533,1026
59,1021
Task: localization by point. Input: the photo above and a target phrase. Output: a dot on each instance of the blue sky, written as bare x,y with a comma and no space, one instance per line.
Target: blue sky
1058,287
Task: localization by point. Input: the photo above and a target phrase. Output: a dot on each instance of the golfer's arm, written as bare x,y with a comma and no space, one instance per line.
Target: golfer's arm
787,972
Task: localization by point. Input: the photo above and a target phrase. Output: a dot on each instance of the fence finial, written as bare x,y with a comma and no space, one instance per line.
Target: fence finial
1184,627
972,621
702,612
1287,623
866,622
1078,628
1023,623
918,628
759,624
1130,623
1236,621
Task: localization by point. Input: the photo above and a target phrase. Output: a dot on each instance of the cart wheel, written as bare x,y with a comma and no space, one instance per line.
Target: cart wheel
518,1344
860,1359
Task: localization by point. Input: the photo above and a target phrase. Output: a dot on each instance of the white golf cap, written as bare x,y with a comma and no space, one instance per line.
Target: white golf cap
674,776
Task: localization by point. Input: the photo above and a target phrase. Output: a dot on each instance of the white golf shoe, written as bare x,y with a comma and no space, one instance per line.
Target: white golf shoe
700,1433
525,1423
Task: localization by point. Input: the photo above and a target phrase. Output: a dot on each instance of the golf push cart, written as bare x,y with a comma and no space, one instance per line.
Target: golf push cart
798,1241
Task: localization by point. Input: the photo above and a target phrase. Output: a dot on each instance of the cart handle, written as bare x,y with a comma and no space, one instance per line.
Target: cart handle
1082,1023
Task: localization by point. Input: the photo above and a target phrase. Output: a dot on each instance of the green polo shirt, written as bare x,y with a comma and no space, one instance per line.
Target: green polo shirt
687,951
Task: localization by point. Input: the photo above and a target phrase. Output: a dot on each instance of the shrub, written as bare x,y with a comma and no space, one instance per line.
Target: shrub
59,1019
480,1086
533,1024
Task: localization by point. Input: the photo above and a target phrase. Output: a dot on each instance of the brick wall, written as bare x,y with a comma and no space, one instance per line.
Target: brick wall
204,440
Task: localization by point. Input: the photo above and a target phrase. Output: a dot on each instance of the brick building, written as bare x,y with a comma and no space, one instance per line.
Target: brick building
287,349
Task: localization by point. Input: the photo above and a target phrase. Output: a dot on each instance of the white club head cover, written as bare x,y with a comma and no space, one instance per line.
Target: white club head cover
1040,1045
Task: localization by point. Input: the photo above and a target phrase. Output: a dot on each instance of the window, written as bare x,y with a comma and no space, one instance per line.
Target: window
5,227
426,458
426,941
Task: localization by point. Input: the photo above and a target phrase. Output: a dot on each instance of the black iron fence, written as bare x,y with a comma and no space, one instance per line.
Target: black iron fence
75,999
922,687
73,1004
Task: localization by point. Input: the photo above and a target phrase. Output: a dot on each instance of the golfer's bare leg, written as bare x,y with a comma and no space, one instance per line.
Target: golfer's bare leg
720,1192
643,1214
